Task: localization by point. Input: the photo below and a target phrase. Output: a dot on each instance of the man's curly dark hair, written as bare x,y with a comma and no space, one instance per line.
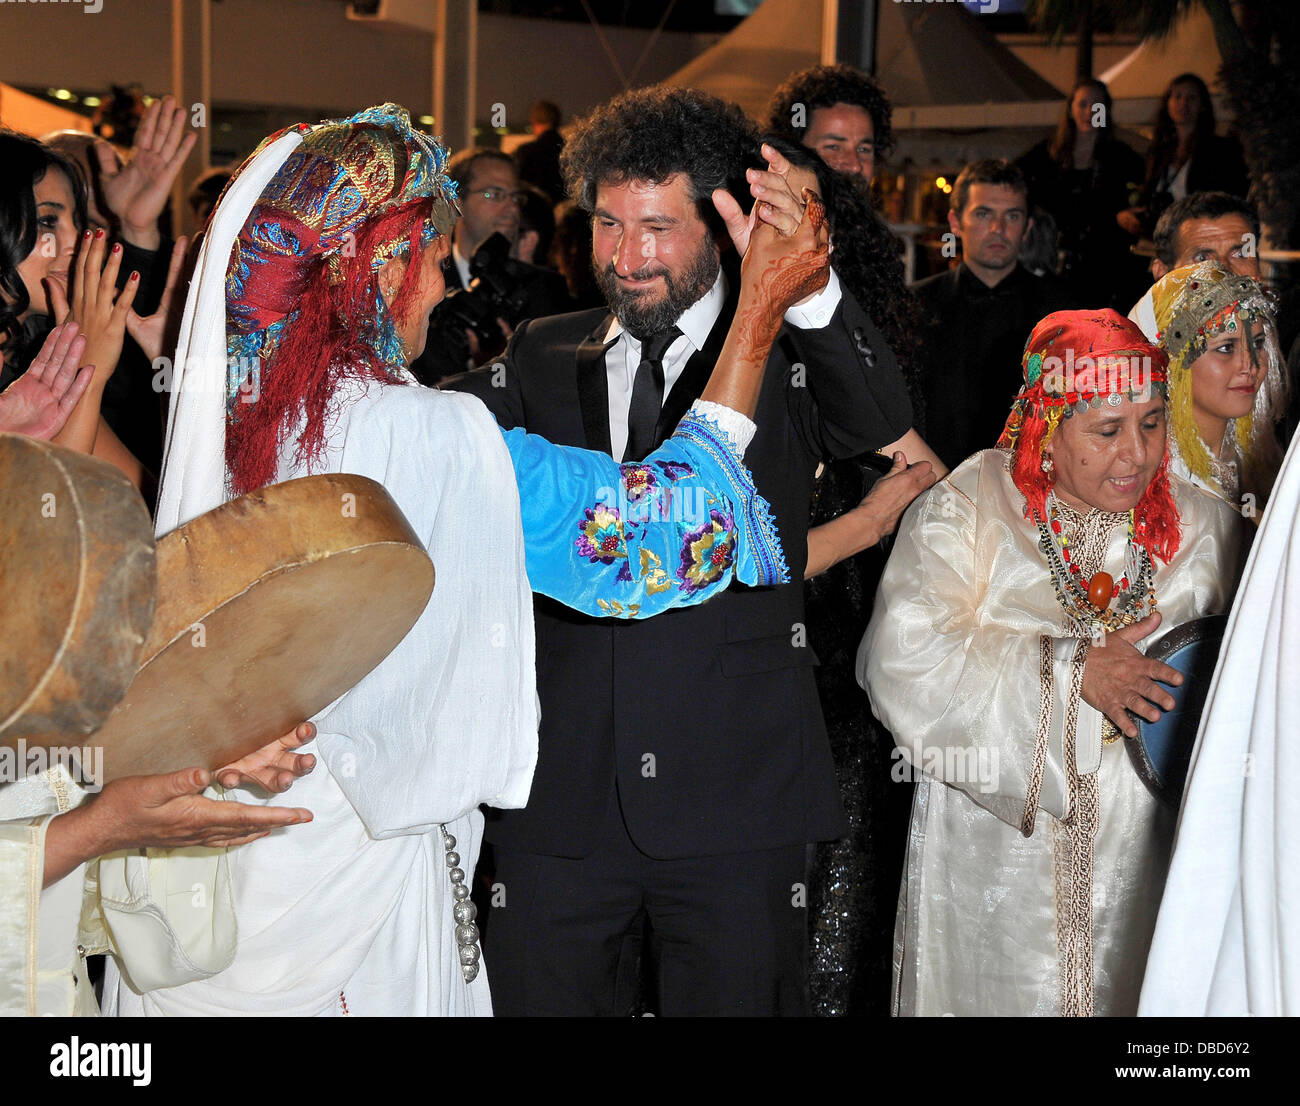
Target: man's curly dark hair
823,86
655,133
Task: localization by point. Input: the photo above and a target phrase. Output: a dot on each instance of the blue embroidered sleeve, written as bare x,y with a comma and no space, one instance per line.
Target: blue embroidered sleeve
632,540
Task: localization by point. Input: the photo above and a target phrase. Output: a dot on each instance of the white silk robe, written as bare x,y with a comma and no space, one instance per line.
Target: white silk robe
965,622
168,924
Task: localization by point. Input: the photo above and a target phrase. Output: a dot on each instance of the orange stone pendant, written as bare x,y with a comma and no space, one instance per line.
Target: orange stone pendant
1101,589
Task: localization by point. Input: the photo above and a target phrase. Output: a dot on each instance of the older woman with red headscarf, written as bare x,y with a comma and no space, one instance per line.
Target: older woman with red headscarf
1003,655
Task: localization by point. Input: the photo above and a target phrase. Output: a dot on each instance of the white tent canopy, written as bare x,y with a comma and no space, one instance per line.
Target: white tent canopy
930,57
1146,72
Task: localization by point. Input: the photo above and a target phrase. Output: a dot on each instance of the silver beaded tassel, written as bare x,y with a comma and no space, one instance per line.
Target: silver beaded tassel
463,911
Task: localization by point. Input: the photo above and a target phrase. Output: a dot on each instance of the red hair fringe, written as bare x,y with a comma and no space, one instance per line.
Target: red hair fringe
332,337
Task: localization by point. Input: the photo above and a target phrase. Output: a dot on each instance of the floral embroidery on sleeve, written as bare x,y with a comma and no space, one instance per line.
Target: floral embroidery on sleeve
639,482
600,535
707,553
648,496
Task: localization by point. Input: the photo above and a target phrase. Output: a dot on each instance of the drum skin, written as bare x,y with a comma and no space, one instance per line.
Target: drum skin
1162,751
77,588
269,608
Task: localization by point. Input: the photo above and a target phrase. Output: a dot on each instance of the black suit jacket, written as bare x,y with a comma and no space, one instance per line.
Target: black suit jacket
969,347
705,719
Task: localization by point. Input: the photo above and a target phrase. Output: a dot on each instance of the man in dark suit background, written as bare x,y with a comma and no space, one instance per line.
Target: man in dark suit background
976,318
539,159
490,197
683,766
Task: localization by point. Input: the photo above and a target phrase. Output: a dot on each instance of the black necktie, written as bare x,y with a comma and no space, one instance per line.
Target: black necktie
647,395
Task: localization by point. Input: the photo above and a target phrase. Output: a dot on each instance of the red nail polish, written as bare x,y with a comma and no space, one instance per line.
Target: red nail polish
135,275
99,234
117,248
85,236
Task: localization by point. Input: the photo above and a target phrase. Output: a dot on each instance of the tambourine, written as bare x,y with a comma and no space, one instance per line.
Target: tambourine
1162,750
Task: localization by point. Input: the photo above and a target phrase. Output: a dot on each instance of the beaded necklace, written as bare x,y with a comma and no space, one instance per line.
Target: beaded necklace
1086,601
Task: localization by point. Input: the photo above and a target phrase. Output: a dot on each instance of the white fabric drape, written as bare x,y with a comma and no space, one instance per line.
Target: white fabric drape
1228,937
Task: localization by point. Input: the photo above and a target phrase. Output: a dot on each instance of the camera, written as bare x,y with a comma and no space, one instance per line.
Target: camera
498,289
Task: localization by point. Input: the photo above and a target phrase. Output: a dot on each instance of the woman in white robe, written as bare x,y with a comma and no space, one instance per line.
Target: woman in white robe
365,913
1036,855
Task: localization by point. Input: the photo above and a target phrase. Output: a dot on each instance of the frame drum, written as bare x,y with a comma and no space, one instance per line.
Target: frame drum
269,608
1162,750
77,588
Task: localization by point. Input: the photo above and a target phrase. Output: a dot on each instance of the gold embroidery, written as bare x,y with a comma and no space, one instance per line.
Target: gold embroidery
652,572
1047,693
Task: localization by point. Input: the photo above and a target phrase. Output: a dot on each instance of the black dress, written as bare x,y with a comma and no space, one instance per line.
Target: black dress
853,884
1095,252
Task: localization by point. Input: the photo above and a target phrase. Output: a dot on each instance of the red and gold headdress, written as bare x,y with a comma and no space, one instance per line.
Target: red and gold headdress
303,308
1073,361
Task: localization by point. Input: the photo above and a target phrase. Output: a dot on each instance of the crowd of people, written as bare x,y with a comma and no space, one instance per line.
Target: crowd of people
851,741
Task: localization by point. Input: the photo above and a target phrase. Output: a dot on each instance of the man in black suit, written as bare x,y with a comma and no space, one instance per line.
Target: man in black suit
976,318
683,766
539,159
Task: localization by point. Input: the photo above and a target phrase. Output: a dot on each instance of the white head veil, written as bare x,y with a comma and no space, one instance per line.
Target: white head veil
194,456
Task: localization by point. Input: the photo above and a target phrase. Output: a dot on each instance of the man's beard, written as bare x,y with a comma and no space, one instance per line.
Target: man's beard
642,315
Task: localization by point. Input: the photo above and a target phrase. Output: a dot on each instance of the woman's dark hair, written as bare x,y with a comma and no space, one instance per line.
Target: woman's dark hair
868,260
23,164
1062,148
1164,145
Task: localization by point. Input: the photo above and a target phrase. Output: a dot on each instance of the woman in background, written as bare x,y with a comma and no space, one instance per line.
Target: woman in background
1186,155
1084,176
1227,389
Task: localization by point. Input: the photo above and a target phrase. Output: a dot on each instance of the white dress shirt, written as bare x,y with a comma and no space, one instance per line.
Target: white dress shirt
624,356
462,265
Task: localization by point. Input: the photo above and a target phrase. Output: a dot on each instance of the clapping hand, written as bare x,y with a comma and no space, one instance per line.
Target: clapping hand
96,306
136,192
149,331
39,402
